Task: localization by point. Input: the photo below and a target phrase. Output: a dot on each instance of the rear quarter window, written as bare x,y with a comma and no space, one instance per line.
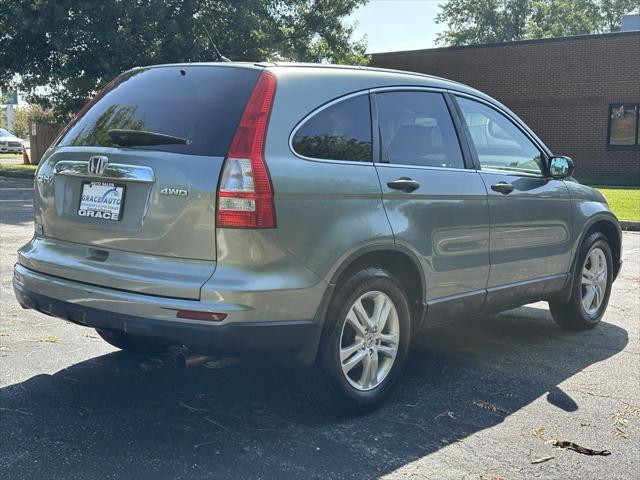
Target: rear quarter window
198,103
341,131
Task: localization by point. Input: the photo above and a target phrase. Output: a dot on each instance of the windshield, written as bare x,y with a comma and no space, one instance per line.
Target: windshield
199,104
5,133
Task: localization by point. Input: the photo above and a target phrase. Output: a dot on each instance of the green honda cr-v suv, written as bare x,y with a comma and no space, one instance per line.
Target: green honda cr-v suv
317,215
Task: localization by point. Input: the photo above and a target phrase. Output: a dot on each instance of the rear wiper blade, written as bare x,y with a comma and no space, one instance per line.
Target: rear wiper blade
130,138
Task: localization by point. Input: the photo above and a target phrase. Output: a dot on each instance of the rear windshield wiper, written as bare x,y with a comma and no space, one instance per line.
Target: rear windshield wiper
130,138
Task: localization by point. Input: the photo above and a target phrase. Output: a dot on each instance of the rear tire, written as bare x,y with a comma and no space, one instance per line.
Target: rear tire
364,345
129,343
590,288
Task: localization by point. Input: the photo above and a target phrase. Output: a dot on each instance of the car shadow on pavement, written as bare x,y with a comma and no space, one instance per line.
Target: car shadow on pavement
124,416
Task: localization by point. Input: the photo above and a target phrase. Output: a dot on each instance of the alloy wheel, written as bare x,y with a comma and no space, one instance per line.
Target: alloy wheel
594,281
369,340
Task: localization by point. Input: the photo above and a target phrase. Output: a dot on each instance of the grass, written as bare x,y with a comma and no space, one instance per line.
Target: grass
608,182
9,155
17,170
623,201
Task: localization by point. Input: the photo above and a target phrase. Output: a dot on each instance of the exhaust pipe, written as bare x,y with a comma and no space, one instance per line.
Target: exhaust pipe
185,360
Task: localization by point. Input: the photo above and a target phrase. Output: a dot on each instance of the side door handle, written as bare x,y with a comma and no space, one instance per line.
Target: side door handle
502,187
404,184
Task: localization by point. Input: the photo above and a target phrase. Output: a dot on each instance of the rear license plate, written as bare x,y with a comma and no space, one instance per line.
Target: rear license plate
101,200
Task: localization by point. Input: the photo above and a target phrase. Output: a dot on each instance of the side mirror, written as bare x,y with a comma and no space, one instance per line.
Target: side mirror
560,167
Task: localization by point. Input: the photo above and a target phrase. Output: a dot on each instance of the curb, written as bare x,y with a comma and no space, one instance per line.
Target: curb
630,226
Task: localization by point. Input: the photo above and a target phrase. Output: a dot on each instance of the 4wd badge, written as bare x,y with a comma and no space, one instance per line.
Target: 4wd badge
177,192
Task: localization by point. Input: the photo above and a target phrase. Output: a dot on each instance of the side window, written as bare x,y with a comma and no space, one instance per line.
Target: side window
416,129
339,132
499,143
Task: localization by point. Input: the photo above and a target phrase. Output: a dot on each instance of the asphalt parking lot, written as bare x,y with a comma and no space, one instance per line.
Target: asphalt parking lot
481,399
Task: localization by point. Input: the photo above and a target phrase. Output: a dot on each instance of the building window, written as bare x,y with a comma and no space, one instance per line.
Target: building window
623,124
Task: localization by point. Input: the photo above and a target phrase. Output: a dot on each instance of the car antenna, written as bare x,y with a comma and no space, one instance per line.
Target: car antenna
221,57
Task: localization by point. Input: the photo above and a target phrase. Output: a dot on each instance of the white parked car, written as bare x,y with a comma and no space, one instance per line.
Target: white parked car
9,143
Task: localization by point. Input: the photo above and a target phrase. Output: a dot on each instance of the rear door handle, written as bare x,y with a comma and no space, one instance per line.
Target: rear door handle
404,184
502,187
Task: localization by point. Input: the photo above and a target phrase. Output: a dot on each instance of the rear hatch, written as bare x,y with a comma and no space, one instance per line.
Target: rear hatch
137,172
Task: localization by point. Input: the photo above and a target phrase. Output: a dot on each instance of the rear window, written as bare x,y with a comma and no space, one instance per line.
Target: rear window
200,104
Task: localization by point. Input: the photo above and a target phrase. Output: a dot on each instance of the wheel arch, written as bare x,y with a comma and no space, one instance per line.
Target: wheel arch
398,261
608,225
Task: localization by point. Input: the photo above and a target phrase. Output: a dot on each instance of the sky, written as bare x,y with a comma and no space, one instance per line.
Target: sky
392,25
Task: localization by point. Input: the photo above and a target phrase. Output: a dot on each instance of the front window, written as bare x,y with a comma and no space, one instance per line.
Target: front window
499,143
5,133
623,124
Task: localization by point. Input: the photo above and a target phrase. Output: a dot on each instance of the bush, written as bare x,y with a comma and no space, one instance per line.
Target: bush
23,116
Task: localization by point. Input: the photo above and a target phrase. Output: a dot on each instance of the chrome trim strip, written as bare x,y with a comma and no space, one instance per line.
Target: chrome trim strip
424,167
113,171
373,162
513,173
316,112
441,90
341,99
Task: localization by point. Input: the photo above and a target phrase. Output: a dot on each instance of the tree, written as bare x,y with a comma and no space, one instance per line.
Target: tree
563,18
60,52
613,10
23,116
482,21
485,21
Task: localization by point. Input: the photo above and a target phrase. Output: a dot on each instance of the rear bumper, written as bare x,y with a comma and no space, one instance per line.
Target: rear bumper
110,309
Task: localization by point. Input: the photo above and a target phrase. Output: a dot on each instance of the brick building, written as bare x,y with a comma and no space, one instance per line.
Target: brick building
580,94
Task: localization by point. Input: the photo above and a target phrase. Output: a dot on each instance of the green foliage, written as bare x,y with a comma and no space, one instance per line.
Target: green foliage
562,18
115,116
23,116
486,21
74,47
333,147
482,21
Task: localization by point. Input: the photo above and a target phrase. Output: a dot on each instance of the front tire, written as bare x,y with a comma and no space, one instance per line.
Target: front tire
129,343
591,286
364,345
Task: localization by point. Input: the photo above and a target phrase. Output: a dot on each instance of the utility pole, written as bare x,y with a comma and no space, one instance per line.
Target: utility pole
9,98
10,117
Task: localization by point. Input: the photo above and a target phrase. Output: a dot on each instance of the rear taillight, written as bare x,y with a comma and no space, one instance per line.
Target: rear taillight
245,195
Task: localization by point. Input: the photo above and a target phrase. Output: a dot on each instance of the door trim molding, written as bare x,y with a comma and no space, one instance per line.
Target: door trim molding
494,299
512,295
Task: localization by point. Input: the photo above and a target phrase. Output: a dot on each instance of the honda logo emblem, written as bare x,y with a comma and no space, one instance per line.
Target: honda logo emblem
97,164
